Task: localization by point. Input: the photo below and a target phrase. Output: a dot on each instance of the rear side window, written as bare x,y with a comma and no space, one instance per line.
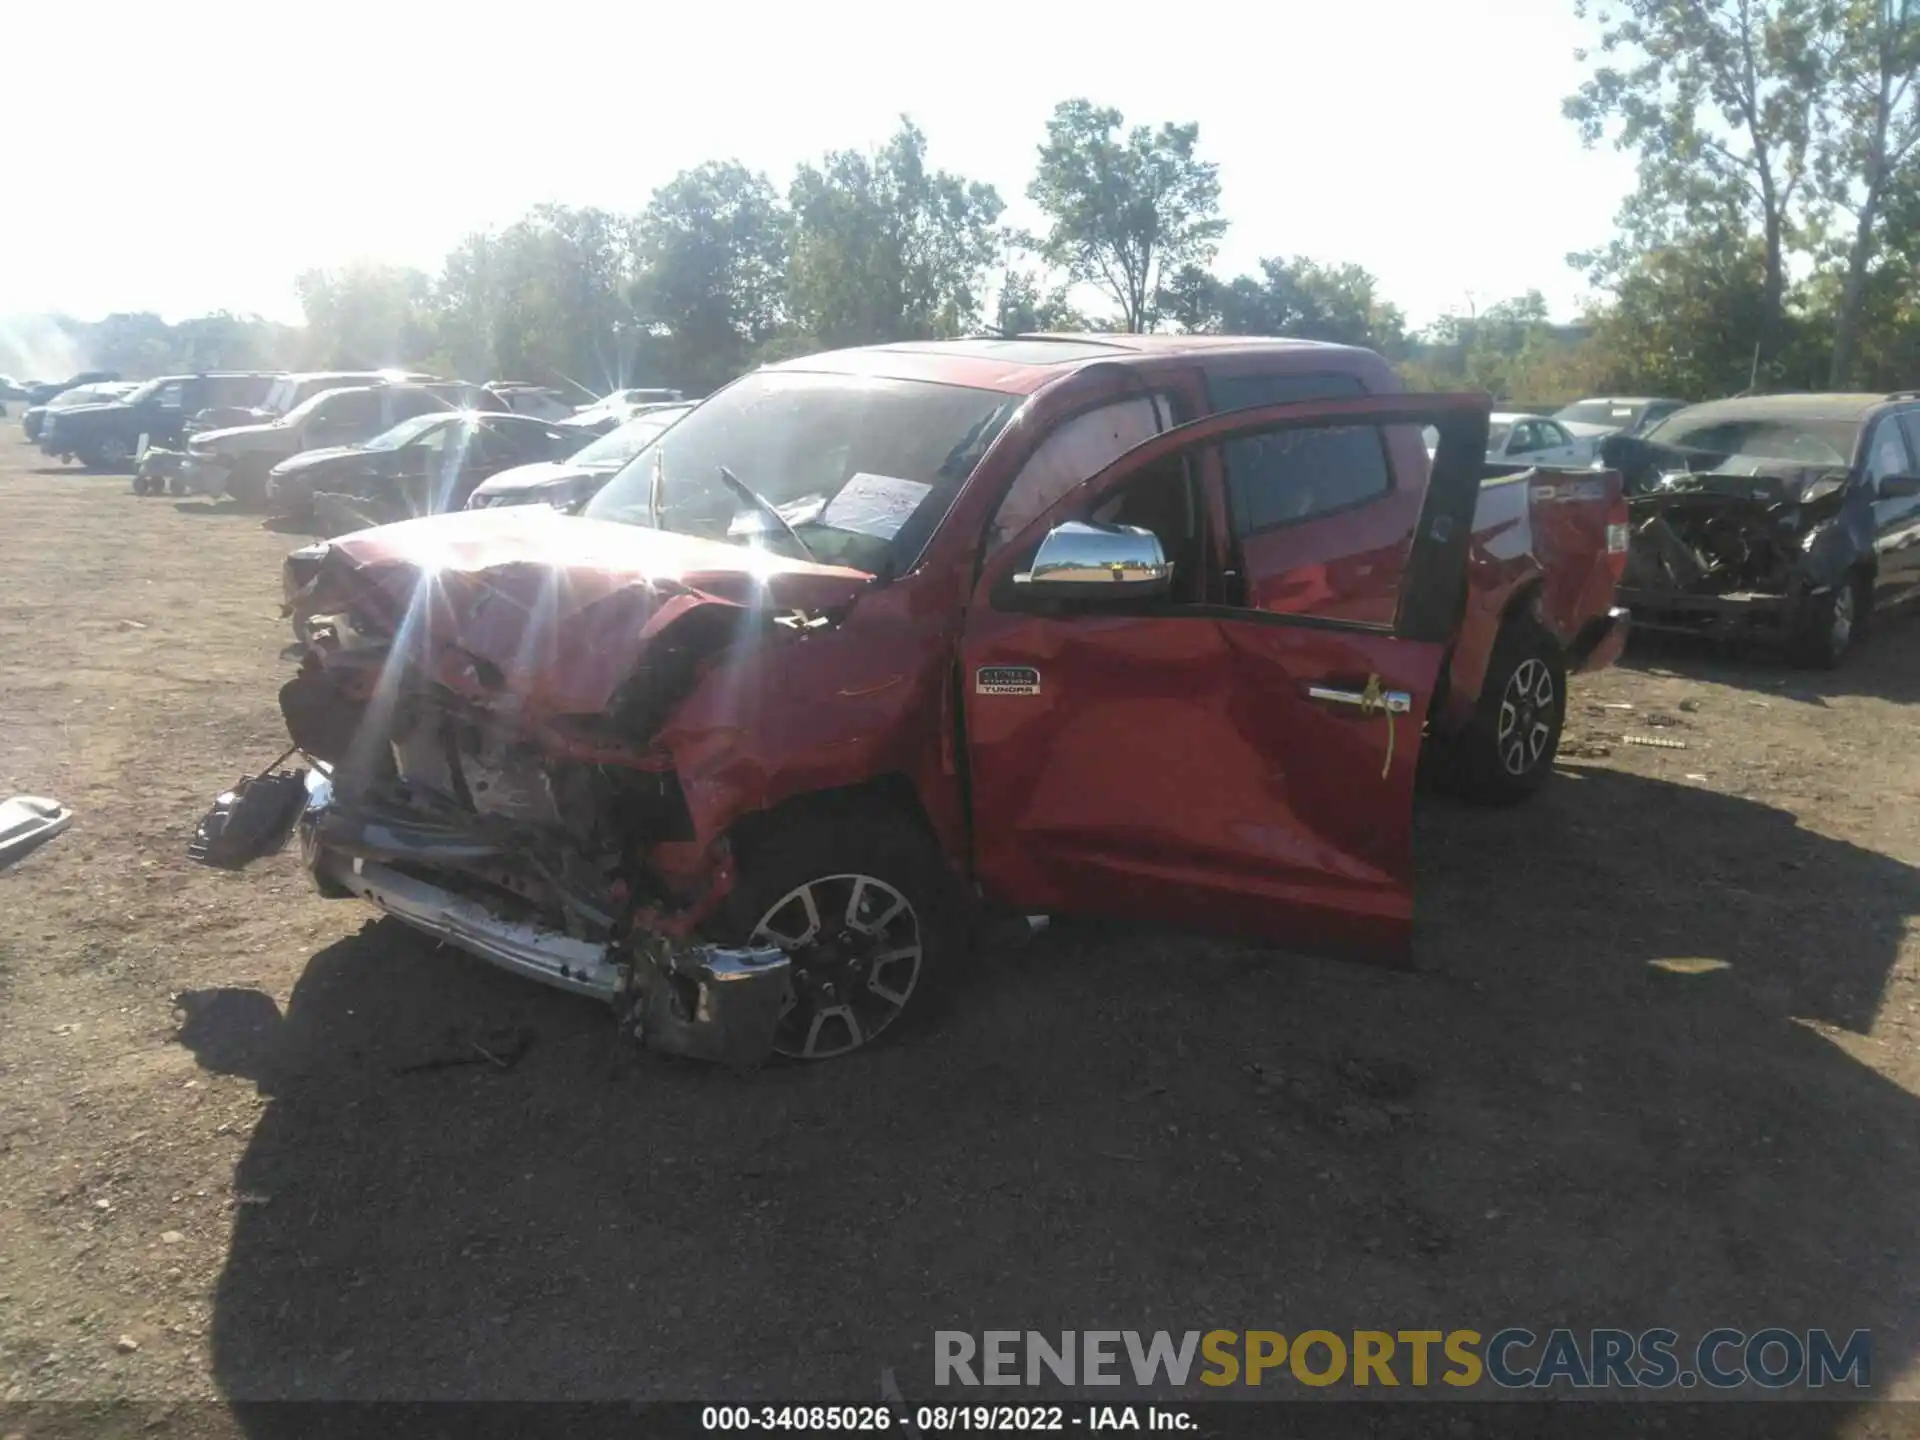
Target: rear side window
1887,452
1293,475
1910,422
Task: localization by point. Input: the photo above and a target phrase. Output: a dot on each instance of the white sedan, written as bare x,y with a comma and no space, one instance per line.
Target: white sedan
1530,440
1536,440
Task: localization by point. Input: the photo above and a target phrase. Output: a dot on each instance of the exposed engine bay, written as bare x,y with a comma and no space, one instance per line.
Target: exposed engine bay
1736,528
482,733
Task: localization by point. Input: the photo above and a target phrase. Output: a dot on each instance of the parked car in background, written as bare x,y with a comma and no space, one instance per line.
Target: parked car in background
1789,518
40,392
1151,627
569,482
543,402
236,461
619,407
465,395
1515,438
12,389
109,435
1615,415
421,466
295,389
33,419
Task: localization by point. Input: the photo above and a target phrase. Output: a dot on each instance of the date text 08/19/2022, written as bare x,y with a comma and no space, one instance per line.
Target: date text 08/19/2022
933,1419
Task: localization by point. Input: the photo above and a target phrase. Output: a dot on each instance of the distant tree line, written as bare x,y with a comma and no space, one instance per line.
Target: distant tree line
1773,240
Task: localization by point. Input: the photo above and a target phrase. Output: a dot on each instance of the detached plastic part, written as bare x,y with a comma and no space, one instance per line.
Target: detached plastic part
26,823
252,820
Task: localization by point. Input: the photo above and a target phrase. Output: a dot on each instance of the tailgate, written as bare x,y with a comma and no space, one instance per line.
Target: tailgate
1578,520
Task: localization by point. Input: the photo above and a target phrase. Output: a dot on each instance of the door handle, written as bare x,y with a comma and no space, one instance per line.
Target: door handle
1371,700
1376,699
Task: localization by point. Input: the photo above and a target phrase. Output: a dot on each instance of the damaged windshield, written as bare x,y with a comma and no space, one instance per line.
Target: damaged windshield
863,469
1804,442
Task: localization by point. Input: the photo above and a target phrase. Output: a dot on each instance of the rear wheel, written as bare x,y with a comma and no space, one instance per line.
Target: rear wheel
110,452
1506,751
1828,626
861,901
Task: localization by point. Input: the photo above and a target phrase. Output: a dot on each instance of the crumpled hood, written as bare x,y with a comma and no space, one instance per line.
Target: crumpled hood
548,614
1646,467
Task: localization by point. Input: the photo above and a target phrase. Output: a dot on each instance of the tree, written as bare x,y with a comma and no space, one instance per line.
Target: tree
886,249
1689,321
1305,300
1510,349
365,316
1191,298
1299,299
1125,211
1719,98
1027,306
1867,141
713,258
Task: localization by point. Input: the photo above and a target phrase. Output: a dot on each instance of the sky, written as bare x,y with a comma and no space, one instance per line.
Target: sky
209,152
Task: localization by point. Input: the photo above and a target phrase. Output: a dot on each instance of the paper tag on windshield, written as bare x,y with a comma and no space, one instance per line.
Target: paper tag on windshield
876,505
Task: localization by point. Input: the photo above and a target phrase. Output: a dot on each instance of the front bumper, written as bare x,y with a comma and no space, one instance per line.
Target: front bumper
203,474
705,1001
1736,615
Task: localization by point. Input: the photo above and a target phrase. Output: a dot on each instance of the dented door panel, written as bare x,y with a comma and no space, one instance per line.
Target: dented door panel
1214,765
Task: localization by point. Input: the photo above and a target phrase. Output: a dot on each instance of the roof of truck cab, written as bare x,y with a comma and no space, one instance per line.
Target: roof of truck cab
1022,364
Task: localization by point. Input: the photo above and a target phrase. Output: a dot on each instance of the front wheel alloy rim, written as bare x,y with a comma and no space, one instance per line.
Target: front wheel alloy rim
855,945
1526,717
114,451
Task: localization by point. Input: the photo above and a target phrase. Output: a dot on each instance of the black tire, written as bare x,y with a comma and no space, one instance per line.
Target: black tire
1827,627
1506,751
827,853
109,452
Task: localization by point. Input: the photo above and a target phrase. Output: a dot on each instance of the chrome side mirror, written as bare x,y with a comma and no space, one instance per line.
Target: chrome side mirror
1084,561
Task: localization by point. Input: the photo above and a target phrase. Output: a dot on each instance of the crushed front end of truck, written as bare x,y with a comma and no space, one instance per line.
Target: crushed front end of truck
479,722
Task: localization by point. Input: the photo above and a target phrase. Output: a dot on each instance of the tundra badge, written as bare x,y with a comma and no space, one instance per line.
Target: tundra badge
1007,680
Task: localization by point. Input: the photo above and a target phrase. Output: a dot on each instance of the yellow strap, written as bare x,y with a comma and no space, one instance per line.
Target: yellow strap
1373,698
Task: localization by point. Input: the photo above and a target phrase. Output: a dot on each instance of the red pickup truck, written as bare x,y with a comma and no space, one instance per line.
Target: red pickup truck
875,643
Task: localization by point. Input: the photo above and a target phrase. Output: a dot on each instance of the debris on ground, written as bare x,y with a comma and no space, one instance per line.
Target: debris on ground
1654,742
502,1049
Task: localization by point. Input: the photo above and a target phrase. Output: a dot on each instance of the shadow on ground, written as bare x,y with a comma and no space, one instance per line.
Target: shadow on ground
1883,665
278,524
1538,1127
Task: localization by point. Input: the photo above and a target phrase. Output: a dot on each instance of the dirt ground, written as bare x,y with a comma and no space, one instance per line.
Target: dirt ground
219,1180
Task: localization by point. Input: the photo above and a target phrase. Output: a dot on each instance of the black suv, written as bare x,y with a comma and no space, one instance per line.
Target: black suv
1789,517
108,436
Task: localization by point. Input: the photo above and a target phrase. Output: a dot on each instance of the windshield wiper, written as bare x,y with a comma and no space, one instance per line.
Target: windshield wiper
657,490
754,498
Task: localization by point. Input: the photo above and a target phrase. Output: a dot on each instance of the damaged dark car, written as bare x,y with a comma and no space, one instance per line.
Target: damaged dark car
1788,519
